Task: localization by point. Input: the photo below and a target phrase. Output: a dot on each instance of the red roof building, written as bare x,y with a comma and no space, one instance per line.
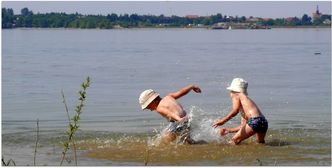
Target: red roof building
192,16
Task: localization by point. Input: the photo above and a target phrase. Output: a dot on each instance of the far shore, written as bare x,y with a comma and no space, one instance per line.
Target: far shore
327,26
206,27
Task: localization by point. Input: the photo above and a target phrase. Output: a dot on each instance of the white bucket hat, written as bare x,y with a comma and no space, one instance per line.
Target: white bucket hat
238,85
147,97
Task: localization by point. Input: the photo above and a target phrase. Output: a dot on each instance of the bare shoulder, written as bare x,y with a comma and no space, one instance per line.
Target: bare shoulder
236,97
243,96
168,97
166,100
249,104
246,99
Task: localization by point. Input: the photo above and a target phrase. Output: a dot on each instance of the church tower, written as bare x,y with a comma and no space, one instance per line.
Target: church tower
316,15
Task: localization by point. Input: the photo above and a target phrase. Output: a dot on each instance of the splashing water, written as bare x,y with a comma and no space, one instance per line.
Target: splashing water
201,129
155,140
201,126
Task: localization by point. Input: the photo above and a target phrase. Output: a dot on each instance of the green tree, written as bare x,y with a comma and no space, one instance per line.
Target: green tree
7,18
207,21
306,20
243,19
295,22
215,19
269,22
318,22
113,17
26,12
28,19
279,22
134,18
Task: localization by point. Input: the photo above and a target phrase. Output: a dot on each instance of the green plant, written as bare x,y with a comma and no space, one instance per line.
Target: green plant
74,121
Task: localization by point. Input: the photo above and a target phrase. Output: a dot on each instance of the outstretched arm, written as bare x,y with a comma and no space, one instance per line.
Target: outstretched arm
185,91
235,110
224,131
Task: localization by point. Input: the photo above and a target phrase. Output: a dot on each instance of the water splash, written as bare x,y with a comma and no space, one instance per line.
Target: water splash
201,129
201,126
155,140
158,139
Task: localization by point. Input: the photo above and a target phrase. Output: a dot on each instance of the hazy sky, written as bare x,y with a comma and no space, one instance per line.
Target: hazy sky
272,9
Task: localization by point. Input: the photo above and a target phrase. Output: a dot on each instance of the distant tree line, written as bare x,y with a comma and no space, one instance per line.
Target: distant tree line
62,20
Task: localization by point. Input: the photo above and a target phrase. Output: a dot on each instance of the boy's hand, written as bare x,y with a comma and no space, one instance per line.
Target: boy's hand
215,124
197,89
223,131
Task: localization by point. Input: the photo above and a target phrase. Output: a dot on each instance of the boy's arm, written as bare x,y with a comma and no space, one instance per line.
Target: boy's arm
235,110
236,129
185,91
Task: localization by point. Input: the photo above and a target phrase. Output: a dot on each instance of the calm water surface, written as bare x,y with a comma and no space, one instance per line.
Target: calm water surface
288,70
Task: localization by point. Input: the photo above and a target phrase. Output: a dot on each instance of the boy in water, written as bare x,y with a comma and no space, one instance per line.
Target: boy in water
252,120
169,108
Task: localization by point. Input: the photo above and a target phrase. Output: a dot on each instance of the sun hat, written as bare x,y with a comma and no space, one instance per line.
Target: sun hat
238,85
147,97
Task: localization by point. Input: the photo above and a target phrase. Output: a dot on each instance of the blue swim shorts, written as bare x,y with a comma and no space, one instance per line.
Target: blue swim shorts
258,124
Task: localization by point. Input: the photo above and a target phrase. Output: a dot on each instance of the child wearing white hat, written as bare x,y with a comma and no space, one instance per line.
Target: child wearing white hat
252,120
169,108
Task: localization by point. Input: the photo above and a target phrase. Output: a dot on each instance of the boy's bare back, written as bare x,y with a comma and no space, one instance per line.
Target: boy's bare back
169,107
247,105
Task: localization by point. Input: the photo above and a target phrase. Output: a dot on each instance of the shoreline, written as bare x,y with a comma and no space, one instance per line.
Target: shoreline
209,28
302,27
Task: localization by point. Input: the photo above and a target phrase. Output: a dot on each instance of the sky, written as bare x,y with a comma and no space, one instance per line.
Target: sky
264,9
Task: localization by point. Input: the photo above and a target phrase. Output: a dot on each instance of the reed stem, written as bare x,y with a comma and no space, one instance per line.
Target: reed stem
73,122
67,111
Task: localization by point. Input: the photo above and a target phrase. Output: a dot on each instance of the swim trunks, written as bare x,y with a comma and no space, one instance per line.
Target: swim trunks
181,130
258,124
178,128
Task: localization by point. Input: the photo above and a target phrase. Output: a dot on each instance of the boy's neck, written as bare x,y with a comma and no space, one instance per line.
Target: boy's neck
156,103
157,100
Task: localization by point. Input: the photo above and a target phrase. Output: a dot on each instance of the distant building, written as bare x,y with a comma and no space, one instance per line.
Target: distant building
252,19
327,22
266,19
289,19
316,15
192,16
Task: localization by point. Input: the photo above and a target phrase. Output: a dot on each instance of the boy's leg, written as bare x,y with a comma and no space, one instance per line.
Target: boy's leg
189,140
168,137
244,133
261,137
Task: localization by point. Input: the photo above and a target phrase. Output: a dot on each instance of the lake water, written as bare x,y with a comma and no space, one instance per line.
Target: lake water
288,70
